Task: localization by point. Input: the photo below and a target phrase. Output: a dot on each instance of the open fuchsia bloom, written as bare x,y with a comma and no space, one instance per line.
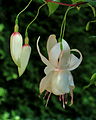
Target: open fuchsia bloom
58,79
16,42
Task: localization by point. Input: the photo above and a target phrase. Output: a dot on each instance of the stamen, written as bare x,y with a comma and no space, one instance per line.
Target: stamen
71,93
48,99
63,101
45,94
66,98
60,98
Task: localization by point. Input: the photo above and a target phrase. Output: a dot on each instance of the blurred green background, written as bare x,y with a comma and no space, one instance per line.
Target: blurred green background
19,97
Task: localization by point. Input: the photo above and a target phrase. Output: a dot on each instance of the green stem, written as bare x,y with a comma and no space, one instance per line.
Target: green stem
93,9
16,21
64,23
85,87
26,32
62,31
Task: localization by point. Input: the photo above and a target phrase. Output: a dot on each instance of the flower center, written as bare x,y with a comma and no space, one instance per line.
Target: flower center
58,69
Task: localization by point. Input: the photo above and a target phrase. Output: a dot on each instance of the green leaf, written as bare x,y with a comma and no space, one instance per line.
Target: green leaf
53,7
2,92
92,2
1,27
92,81
2,54
93,78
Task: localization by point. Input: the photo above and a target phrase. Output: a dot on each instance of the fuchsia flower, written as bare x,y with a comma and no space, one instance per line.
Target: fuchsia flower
16,42
20,53
24,58
58,79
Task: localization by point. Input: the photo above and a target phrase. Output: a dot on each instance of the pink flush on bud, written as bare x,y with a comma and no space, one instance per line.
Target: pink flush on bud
16,42
24,58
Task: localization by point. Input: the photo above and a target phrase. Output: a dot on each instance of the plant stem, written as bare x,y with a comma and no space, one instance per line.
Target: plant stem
62,31
26,31
65,4
16,21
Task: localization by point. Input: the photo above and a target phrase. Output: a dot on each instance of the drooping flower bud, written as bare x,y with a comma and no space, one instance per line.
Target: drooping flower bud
25,55
16,42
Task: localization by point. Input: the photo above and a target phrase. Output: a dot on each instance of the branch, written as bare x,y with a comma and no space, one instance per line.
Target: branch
65,4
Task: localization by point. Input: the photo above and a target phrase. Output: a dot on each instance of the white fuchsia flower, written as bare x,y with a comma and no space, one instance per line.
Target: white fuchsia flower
20,53
16,42
58,79
24,58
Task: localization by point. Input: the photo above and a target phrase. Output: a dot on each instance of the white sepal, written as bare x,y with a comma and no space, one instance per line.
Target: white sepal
44,60
64,55
55,52
25,55
51,42
48,69
16,42
74,62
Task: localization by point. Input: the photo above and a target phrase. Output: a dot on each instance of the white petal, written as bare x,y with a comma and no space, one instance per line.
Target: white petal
25,54
56,51
16,42
48,69
60,82
44,60
45,83
71,82
51,42
74,62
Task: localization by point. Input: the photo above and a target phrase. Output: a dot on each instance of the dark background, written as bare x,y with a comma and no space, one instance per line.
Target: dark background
19,97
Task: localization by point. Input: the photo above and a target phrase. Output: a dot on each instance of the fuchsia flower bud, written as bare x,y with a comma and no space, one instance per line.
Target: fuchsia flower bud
20,53
24,58
16,42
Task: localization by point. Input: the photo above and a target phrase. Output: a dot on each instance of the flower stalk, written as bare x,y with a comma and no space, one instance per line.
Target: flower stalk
62,31
16,21
65,4
26,31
